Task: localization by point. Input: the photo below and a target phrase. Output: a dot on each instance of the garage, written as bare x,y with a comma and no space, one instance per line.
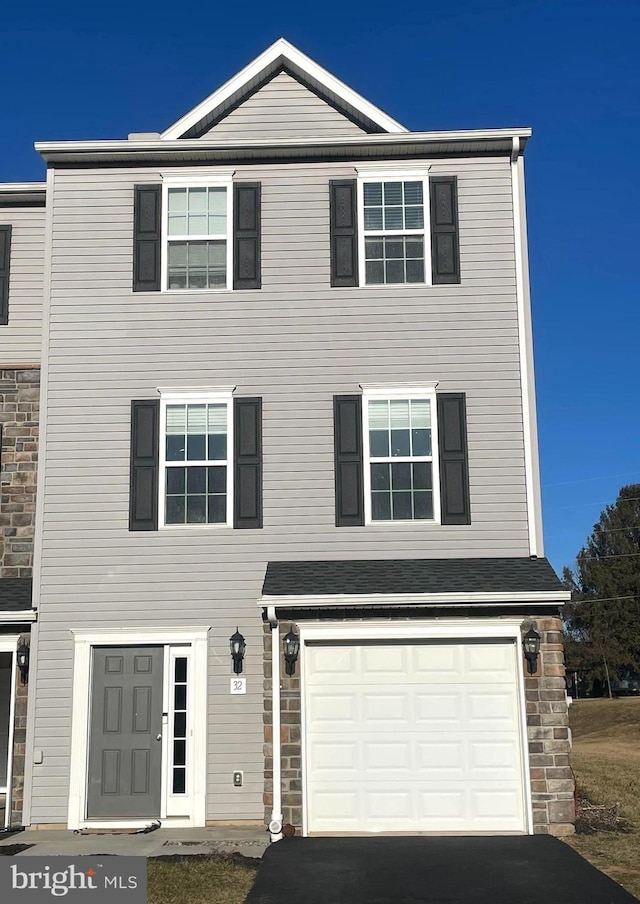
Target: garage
410,735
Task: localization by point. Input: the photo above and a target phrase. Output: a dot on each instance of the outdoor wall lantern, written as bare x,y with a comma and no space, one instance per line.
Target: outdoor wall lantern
531,645
291,649
238,646
23,661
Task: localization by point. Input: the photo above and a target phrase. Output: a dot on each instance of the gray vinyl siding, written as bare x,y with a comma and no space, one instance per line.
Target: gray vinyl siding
283,108
295,343
21,338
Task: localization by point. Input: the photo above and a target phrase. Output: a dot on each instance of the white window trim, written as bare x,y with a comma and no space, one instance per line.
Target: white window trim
175,397
461,629
195,639
222,178
9,644
394,175
397,391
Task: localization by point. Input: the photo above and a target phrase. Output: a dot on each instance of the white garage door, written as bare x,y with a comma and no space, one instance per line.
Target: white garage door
413,737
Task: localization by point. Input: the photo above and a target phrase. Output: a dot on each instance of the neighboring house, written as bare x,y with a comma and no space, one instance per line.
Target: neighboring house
289,382
22,229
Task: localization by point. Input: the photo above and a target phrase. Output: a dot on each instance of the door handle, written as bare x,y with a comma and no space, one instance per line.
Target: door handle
158,737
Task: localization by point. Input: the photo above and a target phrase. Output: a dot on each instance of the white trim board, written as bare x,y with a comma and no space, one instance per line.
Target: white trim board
9,644
84,641
345,600
27,616
281,51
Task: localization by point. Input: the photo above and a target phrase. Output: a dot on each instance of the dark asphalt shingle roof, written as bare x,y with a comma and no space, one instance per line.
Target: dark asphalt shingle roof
388,576
15,594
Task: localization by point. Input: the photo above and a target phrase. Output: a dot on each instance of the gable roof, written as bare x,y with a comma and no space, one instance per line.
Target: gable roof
281,56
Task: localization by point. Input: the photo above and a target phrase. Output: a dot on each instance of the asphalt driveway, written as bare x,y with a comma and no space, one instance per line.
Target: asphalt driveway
534,869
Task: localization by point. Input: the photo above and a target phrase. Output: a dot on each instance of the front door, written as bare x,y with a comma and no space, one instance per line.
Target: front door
125,742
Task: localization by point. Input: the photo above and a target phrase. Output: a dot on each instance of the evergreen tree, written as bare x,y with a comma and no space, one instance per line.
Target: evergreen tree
603,620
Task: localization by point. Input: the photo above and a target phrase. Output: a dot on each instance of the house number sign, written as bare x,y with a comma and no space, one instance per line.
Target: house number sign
238,686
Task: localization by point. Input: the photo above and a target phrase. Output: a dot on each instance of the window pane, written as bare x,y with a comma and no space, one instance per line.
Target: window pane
393,218
197,279
413,218
181,669
217,509
421,442
218,201
393,193
422,475
179,781
373,218
379,414
197,224
177,279
175,481
380,479
381,506
180,696
423,505
217,480
197,200
414,247
175,448
196,509
179,752
217,255
217,447
216,419
196,480
177,225
175,510
197,255
196,446
373,249
373,193
394,248
399,413
413,192
415,271
379,443
394,272
401,476
402,507
374,273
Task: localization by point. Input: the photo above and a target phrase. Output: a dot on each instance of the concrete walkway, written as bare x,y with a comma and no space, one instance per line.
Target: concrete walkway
249,841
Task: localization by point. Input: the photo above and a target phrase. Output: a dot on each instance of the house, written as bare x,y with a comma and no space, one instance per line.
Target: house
290,415
22,230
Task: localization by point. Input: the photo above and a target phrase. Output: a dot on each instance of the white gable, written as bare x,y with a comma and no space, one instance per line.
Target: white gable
264,69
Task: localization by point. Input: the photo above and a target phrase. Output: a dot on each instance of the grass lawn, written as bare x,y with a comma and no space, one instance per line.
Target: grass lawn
606,760
200,880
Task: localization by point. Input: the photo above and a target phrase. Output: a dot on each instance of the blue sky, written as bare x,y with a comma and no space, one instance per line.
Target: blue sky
569,69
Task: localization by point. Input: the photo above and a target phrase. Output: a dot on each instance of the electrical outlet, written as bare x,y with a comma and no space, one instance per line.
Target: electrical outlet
237,778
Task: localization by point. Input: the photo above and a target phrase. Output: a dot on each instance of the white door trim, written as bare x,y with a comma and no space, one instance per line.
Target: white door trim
9,644
84,641
507,628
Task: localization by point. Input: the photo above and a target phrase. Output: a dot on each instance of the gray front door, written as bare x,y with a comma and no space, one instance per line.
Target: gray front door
125,752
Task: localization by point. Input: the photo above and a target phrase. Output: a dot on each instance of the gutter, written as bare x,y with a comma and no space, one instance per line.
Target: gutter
387,600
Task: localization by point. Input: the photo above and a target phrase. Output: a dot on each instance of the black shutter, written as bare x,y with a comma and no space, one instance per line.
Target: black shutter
143,483
344,232
146,238
445,249
247,430
347,430
5,255
246,236
454,458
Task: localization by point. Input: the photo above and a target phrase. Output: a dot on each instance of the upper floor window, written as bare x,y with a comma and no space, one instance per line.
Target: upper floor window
401,466
394,236
197,246
196,460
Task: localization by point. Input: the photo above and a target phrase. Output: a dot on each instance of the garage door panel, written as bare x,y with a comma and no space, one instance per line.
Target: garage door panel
419,738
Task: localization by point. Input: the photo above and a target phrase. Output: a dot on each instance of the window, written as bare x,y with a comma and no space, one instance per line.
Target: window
401,466
197,232
394,237
196,460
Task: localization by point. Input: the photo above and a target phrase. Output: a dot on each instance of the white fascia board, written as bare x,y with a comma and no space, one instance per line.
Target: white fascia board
289,53
13,618
138,148
22,186
442,629
374,600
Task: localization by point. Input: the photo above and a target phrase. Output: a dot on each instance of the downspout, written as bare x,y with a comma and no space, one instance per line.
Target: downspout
275,823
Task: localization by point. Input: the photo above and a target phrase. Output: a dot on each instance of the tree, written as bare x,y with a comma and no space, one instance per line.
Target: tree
603,620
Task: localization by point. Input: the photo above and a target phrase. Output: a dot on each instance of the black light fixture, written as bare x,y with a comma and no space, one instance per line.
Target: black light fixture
291,644
23,660
531,646
238,646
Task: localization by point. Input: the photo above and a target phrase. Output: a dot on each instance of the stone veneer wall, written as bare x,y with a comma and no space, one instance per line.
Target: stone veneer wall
19,410
19,407
552,783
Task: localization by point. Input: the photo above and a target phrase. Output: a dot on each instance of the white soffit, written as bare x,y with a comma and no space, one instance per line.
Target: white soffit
281,52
